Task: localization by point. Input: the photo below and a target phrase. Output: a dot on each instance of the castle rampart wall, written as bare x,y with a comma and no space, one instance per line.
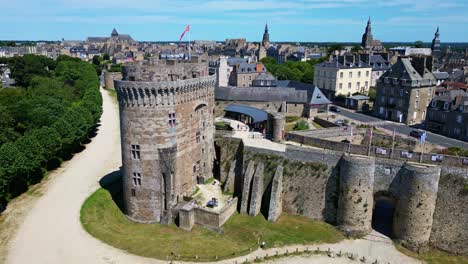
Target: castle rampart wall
312,191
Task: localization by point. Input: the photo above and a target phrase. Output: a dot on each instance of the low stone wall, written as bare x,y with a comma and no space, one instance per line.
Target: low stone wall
214,220
324,122
311,179
339,131
380,152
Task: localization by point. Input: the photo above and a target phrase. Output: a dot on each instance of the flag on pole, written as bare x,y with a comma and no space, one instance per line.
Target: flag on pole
351,131
422,139
187,29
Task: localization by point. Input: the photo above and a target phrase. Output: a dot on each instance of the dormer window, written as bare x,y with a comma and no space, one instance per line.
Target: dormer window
434,103
446,106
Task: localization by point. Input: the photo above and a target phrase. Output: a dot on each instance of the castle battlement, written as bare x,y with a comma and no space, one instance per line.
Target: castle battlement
164,93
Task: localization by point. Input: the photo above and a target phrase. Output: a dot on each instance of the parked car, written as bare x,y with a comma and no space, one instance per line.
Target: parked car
212,203
416,133
335,109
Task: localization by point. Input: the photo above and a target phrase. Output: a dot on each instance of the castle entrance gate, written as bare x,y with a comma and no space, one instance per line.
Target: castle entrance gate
383,212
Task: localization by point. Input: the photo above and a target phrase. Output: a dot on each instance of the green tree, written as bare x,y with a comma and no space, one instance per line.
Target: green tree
419,44
7,126
335,47
105,57
356,49
268,60
97,60
24,68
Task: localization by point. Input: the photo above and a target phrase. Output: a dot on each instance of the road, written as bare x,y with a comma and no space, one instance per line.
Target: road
403,129
51,232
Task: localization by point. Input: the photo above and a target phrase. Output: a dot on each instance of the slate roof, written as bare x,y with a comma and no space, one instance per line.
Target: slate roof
404,70
441,75
261,94
264,77
249,68
231,61
286,91
378,63
359,97
346,65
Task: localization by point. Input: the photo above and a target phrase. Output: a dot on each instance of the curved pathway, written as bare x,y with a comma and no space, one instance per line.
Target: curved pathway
51,232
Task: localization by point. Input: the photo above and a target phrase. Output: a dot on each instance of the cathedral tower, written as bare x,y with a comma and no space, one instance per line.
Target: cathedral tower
367,36
266,38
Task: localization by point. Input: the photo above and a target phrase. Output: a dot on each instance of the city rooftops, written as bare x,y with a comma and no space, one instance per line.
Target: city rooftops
344,65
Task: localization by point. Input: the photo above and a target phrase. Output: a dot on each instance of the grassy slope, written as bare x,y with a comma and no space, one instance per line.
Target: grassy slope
435,256
102,218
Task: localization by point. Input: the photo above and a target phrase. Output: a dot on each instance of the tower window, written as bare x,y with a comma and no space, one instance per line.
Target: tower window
197,136
136,179
172,120
133,192
136,152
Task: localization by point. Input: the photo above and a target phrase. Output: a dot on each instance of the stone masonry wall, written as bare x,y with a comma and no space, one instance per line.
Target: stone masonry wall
169,124
310,188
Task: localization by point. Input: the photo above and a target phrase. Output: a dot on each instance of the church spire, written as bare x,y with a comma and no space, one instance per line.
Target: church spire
435,47
367,38
266,37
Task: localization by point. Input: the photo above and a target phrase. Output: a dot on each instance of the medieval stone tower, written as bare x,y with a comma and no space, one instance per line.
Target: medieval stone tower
166,123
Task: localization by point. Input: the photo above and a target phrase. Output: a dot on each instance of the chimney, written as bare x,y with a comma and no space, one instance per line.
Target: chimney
259,67
341,59
350,58
364,57
420,63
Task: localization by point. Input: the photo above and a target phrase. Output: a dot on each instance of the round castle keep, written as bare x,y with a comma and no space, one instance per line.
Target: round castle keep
166,122
412,222
356,194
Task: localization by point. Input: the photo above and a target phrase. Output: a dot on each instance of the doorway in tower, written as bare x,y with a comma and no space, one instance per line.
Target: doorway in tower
382,215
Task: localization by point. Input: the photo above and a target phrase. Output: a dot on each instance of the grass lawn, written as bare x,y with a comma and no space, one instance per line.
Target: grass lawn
102,218
435,256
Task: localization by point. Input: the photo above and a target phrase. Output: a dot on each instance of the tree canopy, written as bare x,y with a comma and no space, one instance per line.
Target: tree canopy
302,71
46,119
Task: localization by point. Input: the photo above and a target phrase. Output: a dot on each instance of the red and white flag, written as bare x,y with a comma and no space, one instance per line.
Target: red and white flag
187,29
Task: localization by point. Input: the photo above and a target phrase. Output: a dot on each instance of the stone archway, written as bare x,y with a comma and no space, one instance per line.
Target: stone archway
383,212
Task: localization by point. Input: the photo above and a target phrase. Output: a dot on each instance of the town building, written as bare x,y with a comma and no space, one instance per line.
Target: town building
289,97
405,90
244,74
379,61
166,122
343,75
448,111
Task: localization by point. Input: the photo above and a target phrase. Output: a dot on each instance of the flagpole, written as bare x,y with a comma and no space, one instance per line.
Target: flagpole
189,52
423,141
370,140
393,143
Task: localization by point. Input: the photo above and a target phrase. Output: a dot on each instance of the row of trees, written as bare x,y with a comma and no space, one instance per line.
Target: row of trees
292,70
47,120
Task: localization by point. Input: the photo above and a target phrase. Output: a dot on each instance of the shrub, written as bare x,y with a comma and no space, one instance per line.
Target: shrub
301,125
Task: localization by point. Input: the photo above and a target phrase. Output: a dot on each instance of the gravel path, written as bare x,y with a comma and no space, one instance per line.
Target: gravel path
51,232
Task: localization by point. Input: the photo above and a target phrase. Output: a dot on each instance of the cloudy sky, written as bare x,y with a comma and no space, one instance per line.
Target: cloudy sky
301,20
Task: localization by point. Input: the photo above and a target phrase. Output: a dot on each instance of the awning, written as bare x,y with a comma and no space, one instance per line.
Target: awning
256,114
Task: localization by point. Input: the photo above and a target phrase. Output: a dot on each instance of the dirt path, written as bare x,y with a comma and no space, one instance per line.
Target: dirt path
50,232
